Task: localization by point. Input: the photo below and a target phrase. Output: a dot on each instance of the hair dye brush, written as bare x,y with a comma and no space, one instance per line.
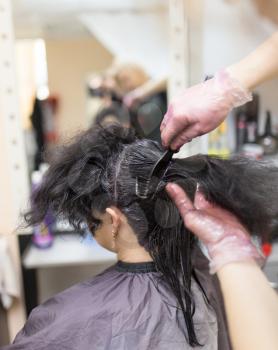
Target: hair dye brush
147,187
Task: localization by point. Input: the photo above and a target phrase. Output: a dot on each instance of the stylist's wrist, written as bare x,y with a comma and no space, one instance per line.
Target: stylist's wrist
243,76
233,248
234,90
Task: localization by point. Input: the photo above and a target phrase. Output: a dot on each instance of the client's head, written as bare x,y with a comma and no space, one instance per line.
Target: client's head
95,178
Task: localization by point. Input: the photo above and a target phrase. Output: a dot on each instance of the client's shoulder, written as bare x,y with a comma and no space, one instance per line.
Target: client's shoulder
82,292
70,304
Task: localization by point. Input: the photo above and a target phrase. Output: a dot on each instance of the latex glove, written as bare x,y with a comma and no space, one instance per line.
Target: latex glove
225,238
201,108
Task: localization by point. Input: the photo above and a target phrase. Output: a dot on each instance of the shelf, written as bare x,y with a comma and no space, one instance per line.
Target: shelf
67,250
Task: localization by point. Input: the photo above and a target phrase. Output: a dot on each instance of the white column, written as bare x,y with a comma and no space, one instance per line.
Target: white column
186,32
13,175
179,46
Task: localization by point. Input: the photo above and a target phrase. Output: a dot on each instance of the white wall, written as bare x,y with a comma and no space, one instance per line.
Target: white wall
141,38
69,62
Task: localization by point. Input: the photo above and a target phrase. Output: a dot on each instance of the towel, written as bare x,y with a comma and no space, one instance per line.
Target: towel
9,285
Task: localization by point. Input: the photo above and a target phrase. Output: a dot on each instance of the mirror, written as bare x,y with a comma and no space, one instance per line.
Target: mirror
77,60
80,63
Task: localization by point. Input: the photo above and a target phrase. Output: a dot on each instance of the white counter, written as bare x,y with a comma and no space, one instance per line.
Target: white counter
69,249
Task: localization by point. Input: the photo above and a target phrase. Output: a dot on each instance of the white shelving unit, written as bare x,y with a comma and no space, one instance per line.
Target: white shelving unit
13,178
186,45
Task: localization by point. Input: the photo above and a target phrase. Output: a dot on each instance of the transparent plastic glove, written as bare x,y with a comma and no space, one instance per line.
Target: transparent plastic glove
201,108
224,236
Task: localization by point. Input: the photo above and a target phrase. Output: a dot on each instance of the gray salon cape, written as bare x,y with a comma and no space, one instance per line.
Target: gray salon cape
125,308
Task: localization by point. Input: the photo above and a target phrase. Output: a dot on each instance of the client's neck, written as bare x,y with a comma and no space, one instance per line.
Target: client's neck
129,250
135,255
127,247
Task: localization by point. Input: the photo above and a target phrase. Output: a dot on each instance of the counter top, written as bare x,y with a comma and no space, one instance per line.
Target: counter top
67,250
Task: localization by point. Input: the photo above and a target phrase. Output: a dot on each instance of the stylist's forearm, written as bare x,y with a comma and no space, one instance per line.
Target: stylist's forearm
251,306
259,66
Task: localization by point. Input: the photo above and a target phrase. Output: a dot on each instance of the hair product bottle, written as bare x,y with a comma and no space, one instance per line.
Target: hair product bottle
42,233
267,140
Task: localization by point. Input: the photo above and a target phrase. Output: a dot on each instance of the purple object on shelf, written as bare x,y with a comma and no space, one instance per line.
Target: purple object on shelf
42,233
42,237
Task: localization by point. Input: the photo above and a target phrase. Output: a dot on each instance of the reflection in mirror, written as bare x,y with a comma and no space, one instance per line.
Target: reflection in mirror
76,59
82,63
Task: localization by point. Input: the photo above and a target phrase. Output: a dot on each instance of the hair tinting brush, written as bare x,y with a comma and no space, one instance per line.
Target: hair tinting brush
147,187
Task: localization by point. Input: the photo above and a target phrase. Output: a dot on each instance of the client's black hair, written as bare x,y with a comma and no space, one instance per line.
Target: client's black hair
101,167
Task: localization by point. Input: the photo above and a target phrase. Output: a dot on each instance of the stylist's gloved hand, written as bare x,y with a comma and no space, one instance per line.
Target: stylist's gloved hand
201,108
220,231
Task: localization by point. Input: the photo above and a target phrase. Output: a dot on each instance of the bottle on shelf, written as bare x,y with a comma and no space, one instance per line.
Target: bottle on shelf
268,140
218,141
247,130
42,233
246,122
241,130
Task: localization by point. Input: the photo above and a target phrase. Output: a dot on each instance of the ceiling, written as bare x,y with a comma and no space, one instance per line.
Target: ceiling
122,26
61,18
127,28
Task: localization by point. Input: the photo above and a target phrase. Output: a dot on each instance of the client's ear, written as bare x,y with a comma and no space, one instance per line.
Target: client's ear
115,215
